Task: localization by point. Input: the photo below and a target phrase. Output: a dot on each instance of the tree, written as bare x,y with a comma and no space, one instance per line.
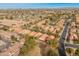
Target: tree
69,51
52,43
13,38
77,52
29,44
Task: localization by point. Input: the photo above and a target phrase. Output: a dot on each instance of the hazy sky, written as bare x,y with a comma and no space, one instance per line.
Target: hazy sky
38,5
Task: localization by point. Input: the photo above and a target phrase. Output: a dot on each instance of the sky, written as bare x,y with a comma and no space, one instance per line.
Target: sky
38,5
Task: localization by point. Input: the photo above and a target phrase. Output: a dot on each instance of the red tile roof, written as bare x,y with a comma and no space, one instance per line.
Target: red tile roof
44,37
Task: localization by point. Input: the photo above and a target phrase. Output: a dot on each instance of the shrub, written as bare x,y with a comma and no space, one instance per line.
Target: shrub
29,44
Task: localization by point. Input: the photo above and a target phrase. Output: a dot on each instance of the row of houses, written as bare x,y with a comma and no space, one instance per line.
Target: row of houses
39,35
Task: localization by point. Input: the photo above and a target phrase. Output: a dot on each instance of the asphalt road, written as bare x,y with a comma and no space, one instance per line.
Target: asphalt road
61,47
72,45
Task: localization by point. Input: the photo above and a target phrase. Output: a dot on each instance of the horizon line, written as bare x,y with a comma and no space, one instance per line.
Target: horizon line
45,8
37,5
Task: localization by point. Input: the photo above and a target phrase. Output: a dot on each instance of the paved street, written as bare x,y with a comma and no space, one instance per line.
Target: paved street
61,47
72,45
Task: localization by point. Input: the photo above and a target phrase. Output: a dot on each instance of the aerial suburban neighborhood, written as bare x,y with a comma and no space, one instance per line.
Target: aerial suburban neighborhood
39,32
